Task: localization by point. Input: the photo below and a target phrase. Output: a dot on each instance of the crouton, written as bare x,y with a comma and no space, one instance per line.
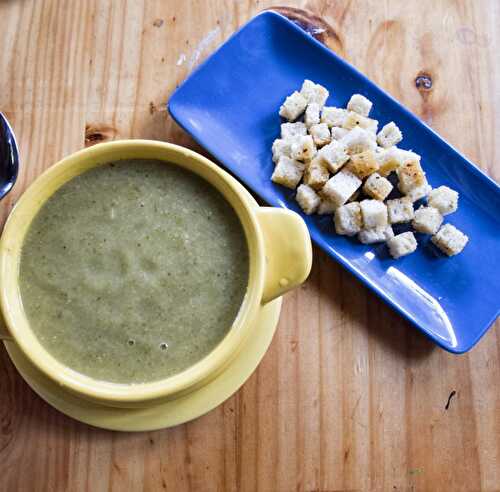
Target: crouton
410,176
402,244
444,199
348,221
326,207
374,213
312,115
362,164
389,160
288,172
400,210
419,192
320,134
316,174
293,107
358,140
427,220
377,187
333,116
303,148
291,130
338,133
359,104
450,240
352,120
333,155
281,148
307,198
389,135
314,93
340,187
377,235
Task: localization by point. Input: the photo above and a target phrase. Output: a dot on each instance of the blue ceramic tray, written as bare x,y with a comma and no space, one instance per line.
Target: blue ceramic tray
230,106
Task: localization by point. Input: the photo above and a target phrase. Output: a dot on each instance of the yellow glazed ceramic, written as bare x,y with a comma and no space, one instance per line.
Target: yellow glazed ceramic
280,259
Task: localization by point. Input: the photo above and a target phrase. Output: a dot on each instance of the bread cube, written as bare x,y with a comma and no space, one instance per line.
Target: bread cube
358,140
419,192
314,93
288,172
402,244
293,107
400,210
338,133
333,116
340,187
450,240
281,148
291,130
389,160
354,197
312,114
377,187
377,235
348,221
427,220
359,104
352,120
363,164
303,148
444,199
374,213
316,174
333,155
410,176
389,135
308,199
320,134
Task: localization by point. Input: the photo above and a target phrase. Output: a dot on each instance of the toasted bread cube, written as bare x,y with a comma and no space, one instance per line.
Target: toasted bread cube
308,199
410,176
340,187
377,235
288,172
348,221
374,213
281,148
359,104
333,155
450,240
314,93
326,207
338,133
352,120
293,107
400,210
363,164
427,220
291,130
312,114
333,116
303,148
316,174
402,244
389,135
377,187
419,192
354,197
320,134
358,140
444,199
389,160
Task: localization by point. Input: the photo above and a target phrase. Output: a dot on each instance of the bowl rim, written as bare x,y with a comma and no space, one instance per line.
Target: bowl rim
29,205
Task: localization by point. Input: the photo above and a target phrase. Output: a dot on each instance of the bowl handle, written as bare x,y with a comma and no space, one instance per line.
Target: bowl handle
287,248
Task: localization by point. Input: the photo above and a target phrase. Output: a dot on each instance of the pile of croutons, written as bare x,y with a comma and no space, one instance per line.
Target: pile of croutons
344,163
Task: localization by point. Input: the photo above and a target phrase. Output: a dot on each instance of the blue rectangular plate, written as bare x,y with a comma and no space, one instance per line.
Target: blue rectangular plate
230,106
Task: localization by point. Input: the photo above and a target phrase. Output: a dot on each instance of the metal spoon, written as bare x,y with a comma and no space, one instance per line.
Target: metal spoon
9,157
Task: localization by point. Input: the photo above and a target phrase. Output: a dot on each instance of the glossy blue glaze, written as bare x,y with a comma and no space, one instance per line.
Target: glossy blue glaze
230,106
9,157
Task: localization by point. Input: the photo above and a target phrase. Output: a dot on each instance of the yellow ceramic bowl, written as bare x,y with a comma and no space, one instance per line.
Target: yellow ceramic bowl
280,259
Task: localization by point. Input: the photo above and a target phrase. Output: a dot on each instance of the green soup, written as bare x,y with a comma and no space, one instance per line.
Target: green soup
133,271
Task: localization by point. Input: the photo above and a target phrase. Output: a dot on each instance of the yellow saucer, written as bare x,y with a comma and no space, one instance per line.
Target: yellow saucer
162,415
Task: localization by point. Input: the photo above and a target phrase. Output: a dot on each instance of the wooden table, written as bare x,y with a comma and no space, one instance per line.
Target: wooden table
349,396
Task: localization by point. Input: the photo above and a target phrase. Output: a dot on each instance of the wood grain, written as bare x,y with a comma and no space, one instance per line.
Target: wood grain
349,396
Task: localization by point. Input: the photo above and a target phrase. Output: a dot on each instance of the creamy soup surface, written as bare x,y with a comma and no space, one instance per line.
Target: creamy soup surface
133,271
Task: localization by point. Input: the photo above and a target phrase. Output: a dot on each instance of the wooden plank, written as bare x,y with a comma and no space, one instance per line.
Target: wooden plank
349,396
